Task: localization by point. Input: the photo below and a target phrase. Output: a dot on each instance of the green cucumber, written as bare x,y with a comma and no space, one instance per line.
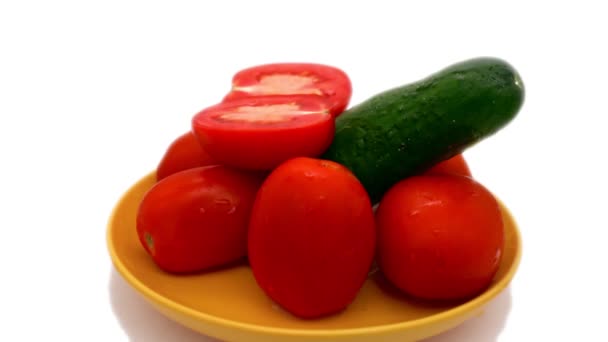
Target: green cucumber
405,130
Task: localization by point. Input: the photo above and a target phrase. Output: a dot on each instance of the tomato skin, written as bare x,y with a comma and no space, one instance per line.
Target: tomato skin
439,237
184,153
456,165
197,219
331,83
264,147
311,237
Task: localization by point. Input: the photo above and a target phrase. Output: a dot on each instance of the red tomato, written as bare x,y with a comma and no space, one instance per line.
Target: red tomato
262,132
311,237
197,219
184,153
439,237
456,165
292,79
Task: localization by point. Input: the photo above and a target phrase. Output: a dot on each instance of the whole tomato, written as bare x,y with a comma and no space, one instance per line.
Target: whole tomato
311,237
184,153
456,165
439,237
197,219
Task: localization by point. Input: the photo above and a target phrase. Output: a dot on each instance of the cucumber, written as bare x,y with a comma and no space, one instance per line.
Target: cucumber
405,130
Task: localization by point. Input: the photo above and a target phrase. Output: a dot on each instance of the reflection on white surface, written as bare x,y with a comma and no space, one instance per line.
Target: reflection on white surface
141,322
486,327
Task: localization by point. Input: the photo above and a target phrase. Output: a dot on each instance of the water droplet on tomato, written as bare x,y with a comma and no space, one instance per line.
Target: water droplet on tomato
225,204
222,202
474,193
497,257
309,175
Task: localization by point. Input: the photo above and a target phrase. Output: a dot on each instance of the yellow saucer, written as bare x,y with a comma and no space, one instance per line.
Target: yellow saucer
227,304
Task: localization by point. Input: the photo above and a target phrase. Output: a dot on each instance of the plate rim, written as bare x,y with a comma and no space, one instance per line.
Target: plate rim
158,299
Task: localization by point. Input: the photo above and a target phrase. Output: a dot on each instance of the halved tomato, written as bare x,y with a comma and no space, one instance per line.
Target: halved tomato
292,79
261,132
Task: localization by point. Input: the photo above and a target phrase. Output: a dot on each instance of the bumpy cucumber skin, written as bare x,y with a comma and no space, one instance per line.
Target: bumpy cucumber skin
405,130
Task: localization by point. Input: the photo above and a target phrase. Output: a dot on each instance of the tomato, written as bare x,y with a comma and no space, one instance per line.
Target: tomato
184,153
262,132
439,237
456,165
197,219
321,80
311,237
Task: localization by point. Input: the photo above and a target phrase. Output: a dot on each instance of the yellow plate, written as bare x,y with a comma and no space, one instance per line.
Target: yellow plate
228,305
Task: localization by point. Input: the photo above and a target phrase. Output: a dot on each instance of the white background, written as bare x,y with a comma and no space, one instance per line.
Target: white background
91,94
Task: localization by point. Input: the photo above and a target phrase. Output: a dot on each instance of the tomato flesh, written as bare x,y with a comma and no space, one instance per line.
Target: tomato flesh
327,82
281,84
260,133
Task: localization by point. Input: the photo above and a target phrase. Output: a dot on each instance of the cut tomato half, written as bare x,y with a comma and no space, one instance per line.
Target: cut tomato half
261,132
294,79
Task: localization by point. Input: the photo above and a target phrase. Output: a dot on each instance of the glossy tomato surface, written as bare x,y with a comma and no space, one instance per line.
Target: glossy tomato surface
457,165
197,219
262,132
325,81
439,237
311,237
184,153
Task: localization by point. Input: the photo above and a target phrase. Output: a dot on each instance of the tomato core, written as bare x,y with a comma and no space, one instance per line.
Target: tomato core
282,84
263,114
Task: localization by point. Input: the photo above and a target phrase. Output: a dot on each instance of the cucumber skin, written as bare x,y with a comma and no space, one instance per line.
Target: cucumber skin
405,130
